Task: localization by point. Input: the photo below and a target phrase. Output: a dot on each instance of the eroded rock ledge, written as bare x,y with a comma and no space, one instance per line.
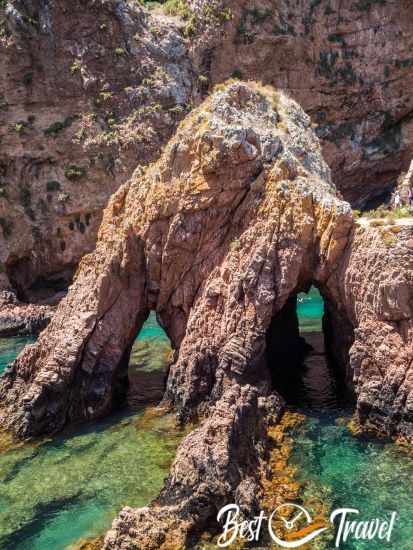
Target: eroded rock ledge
237,216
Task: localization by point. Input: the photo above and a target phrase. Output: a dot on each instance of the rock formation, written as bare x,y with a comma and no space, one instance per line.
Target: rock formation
218,236
348,64
239,214
374,290
90,90
22,319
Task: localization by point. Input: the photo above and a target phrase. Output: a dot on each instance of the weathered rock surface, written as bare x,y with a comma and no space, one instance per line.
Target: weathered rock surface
22,319
349,64
375,282
238,215
88,91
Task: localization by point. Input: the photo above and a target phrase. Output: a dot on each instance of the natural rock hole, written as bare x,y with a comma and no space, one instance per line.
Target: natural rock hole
143,373
300,355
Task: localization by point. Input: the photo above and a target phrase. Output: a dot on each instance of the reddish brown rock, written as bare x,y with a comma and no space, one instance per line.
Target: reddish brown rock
374,290
22,319
236,218
88,91
349,64
239,214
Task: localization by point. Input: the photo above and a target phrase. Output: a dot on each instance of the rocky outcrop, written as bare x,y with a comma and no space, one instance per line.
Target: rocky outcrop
349,65
374,287
218,236
21,319
219,462
238,215
88,91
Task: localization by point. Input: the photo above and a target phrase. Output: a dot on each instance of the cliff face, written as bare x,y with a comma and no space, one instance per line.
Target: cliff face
238,215
88,91
374,290
349,64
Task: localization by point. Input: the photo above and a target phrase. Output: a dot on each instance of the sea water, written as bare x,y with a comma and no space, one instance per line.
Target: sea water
71,487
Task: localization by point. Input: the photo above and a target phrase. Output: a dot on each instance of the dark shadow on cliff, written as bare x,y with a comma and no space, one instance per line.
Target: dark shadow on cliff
145,367
304,366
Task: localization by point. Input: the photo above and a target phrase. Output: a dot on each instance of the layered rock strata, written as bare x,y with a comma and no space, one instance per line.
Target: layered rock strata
373,331
236,218
349,65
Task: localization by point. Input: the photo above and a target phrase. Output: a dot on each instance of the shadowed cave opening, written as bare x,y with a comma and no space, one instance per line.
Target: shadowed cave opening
144,371
302,355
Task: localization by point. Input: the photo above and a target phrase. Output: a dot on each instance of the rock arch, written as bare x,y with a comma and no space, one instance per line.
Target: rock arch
239,212
238,215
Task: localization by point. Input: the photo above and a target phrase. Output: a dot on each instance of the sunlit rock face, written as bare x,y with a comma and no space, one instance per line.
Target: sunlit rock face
238,214
349,65
374,287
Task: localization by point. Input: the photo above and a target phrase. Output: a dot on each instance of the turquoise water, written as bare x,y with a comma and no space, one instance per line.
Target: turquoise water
343,471
310,310
74,485
10,348
340,470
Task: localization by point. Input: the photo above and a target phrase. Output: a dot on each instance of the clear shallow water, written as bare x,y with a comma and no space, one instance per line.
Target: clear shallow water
335,468
73,486
343,471
310,310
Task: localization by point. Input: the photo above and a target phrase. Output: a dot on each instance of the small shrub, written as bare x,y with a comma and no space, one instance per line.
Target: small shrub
19,127
74,172
376,223
52,186
356,214
120,52
28,79
389,238
178,8
235,245
59,126
7,227
400,213
75,67
396,229
106,95
237,74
